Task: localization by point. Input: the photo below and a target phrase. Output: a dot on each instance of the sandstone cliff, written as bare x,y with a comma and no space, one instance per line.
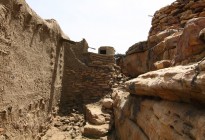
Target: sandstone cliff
166,100
173,39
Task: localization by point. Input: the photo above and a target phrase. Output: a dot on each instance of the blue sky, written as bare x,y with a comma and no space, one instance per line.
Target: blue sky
117,23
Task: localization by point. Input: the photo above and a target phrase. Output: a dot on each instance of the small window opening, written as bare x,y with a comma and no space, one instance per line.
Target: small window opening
102,51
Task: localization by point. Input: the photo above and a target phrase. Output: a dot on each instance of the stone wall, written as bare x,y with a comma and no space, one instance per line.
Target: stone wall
86,79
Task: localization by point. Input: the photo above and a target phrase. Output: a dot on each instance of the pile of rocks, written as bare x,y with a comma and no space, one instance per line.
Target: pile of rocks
97,123
66,126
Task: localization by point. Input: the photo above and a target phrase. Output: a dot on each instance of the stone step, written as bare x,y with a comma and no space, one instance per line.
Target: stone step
96,131
96,116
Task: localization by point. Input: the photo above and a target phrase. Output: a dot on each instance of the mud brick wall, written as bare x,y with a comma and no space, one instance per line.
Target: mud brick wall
30,66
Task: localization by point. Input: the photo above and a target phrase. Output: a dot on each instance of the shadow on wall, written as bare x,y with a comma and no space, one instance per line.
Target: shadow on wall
57,75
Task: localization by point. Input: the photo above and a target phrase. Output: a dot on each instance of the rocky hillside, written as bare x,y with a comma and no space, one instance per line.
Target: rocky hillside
166,100
163,104
176,37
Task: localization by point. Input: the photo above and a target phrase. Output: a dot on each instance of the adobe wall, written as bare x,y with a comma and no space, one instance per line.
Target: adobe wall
107,49
30,59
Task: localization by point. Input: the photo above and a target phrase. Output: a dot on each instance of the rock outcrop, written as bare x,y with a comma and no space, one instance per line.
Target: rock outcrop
180,83
152,118
166,100
176,35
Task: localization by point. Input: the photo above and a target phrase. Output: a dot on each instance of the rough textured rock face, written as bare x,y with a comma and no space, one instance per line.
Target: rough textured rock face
176,15
180,83
135,61
168,100
152,118
190,48
175,36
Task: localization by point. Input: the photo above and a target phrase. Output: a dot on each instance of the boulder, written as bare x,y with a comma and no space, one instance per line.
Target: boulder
189,43
137,48
202,14
145,118
94,115
164,50
202,35
107,103
155,39
95,131
180,83
135,64
162,64
2,131
171,41
158,49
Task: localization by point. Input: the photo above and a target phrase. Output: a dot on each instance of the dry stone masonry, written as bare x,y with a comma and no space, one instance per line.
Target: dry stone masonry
88,78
